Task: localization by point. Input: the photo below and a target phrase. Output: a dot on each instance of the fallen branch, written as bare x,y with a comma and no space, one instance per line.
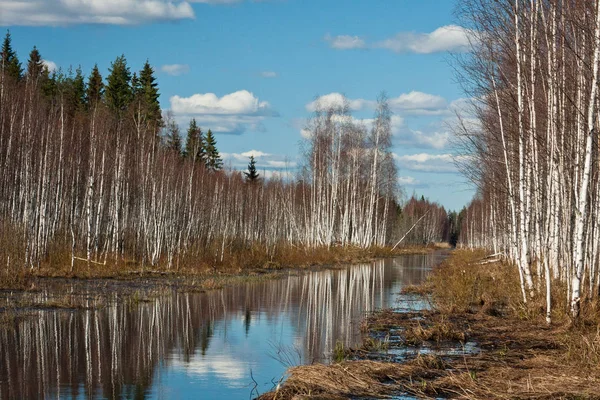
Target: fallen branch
86,260
412,227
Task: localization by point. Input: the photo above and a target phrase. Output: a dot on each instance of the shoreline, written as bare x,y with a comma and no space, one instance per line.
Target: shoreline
472,345
93,288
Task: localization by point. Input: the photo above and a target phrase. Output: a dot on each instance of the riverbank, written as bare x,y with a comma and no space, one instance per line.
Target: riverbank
93,285
478,341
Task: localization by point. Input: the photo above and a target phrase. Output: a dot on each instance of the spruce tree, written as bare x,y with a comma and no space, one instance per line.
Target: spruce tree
10,62
95,88
148,90
49,85
173,137
194,144
212,159
118,90
135,86
251,175
35,66
78,92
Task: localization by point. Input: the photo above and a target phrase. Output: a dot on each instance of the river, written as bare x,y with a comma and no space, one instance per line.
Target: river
226,344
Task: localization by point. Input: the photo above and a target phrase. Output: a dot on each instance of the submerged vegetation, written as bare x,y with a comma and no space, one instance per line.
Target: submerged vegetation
517,354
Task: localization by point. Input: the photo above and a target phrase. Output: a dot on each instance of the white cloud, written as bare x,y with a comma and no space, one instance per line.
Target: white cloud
241,102
268,74
415,138
445,38
418,103
232,113
345,42
407,180
175,69
110,12
425,162
266,163
336,100
51,65
415,103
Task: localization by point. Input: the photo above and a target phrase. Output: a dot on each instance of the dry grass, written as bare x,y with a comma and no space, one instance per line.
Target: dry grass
520,357
462,284
437,330
343,380
237,260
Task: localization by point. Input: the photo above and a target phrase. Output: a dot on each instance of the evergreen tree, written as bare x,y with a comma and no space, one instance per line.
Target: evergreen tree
118,93
10,62
135,86
95,88
49,83
251,175
212,159
148,90
35,66
173,137
194,144
78,92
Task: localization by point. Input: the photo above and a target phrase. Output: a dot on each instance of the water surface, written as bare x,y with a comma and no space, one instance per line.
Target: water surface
226,344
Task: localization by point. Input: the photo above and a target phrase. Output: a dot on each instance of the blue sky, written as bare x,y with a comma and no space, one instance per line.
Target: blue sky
250,69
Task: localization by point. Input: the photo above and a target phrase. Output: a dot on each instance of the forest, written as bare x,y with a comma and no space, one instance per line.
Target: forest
94,172
534,151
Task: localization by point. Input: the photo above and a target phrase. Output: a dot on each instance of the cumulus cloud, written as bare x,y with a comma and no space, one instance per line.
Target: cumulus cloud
232,113
175,69
268,74
425,162
409,181
266,163
241,102
345,42
112,12
446,38
51,65
336,100
413,103
421,139
418,103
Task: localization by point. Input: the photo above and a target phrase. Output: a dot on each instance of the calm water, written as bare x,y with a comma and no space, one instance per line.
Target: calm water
227,344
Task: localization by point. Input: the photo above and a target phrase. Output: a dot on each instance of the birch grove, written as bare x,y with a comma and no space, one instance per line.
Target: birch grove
97,185
533,152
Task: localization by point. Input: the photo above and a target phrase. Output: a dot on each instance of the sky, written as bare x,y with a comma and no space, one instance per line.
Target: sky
250,70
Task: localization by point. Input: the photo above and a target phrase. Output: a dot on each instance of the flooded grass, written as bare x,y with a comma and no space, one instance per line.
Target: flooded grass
93,285
478,342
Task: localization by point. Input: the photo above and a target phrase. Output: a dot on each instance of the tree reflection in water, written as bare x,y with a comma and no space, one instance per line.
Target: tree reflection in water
125,351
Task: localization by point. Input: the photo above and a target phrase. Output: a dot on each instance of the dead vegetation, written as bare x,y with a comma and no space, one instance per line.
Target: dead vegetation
519,357
251,261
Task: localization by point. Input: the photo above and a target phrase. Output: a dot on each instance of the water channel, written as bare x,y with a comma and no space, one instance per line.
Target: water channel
225,344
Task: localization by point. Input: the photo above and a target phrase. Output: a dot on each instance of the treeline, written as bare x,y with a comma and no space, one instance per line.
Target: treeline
535,152
92,170
426,222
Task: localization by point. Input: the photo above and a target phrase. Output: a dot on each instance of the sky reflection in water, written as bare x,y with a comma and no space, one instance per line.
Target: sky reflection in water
192,345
